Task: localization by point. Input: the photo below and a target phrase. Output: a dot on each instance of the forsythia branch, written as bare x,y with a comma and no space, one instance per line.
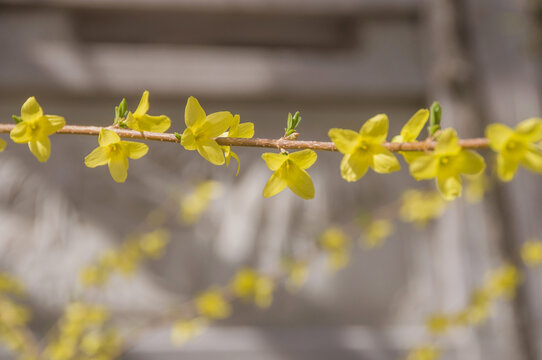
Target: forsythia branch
474,143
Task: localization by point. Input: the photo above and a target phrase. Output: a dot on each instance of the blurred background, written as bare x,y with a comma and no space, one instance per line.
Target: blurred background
338,62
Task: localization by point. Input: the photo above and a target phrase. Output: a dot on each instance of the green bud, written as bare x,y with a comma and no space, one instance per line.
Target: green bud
434,118
178,136
292,123
16,118
123,108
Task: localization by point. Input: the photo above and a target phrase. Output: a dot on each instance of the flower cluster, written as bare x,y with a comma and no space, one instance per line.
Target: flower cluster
126,259
249,285
13,318
335,243
419,207
84,333
194,204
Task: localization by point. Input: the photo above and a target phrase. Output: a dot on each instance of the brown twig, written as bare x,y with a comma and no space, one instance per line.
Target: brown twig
475,143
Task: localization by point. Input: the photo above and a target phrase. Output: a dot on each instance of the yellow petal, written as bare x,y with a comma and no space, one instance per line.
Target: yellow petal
143,106
304,158
530,130
375,129
193,113
424,167
2,145
276,183
299,181
355,165
31,110
345,140
148,123
498,135
107,137
274,161
53,123
410,156
97,157
215,124
234,155
506,167
470,162
244,130
188,140
448,143
21,133
384,161
41,148
210,151
134,150
414,126
532,160
449,186
118,167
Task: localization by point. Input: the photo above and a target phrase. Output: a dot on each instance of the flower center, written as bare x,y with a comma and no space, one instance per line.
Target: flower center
445,160
512,145
364,146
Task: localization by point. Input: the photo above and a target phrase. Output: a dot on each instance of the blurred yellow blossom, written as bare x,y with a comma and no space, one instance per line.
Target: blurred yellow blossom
35,128
375,232
477,310
477,187
152,244
140,121
212,304
84,330
531,252
336,245
197,202
2,145
446,163
438,324
10,285
425,352
201,129
410,132
297,273
237,130
184,330
251,286
517,146
126,258
364,149
115,153
419,207
289,171
504,281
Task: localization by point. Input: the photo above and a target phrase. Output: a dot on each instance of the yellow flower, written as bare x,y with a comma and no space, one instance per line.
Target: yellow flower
419,207
2,145
237,130
140,121
196,203
335,243
410,132
211,304
152,244
477,311
93,276
10,285
376,232
201,129
35,129
531,253
297,272
115,153
515,147
289,170
504,281
438,324
250,285
427,352
365,149
446,163
186,329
